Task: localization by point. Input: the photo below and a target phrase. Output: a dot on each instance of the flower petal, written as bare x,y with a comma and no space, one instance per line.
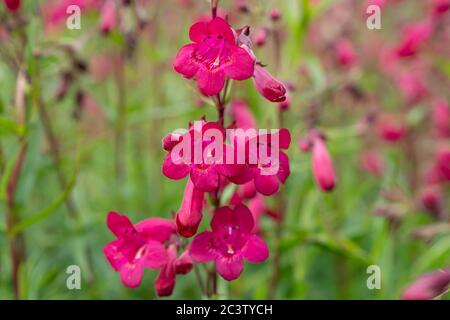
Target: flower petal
219,26
113,255
131,274
284,170
174,171
184,63
242,66
205,180
157,229
201,249
118,224
266,185
230,268
154,255
240,217
210,82
198,31
256,249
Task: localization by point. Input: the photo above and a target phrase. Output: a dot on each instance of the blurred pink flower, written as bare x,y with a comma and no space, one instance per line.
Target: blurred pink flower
412,87
108,16
441,6
260,36
213,57
390,129
345,53
190,214
12,5
441,118
269,87
242,115
137,246
372,162
431,199
230,242
428,286
414,36
322,164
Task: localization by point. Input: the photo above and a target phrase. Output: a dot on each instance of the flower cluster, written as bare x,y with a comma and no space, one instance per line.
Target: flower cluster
211,157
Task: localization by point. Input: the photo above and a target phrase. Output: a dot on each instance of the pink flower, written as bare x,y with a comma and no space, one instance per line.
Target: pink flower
269,87
431,199
260,36
165,282
414,36
137,246
372,162
428,286
441,6
190,214
390,129
442,164
242,115
271,169
275,14
230,242
12,5
412,87
56,12
322,164
204,169
345,53
109,16
213,57
441,118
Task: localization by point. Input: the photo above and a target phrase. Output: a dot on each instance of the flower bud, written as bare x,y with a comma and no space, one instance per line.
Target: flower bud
190,214
269,87
322,165
428,286
12,5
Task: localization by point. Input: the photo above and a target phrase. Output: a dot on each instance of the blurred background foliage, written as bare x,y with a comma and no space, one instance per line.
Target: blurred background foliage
329,239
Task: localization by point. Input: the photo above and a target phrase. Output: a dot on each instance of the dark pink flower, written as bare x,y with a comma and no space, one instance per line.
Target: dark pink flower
322,164
431,199
441,118
269,87
137,246
204,168
414,36
345,53
272,166
440,7
275,14
12,5
230,242
428,286
109,16
190,214
213,57
442,164
242,115
165,282
390,129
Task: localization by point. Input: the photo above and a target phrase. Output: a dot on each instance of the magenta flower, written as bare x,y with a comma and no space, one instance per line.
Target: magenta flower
165,282
12,5
109,16
269,87
345,53
190,214
440,7
322,165
272,167
137,246
260,36
206,171
213,57
390,129
441,118
229,242
414,36
428,286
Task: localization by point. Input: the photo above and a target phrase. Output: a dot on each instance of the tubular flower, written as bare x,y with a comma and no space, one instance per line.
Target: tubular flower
428,286
230,242
137,246
322,165
213,56
190,214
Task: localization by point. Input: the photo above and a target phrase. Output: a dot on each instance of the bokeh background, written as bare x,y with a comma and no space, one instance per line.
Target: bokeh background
86,111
